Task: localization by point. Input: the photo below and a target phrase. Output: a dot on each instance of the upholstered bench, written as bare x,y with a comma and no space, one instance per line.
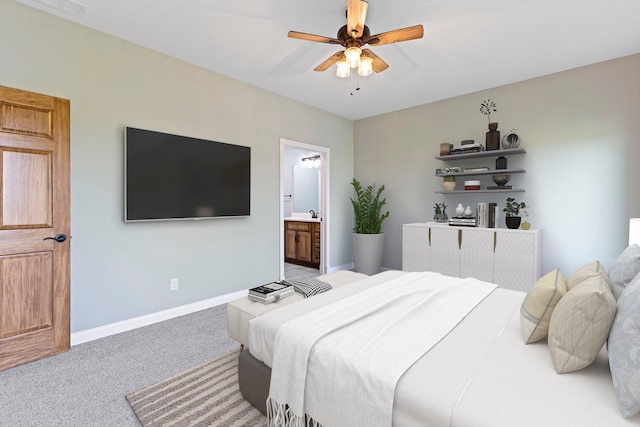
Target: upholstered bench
240,311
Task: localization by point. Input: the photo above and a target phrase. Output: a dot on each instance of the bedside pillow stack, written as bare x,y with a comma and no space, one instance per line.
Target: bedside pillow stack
579,315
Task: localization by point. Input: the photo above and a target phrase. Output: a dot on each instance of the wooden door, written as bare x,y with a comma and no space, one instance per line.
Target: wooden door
34,207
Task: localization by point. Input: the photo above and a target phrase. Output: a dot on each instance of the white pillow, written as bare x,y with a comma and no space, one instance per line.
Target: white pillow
624,350
580,324
538,304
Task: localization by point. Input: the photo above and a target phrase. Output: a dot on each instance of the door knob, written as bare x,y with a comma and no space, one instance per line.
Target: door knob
58,238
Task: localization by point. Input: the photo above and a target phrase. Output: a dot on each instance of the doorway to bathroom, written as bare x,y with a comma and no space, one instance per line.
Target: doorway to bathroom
304,194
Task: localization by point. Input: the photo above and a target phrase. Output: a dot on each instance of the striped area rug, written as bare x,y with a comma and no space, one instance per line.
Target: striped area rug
207,395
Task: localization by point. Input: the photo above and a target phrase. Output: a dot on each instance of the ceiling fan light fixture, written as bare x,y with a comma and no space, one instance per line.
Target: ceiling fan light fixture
342,69
365,68
353,56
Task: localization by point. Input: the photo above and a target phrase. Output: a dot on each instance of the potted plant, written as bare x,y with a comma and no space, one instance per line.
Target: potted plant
440,215
367,237
512,212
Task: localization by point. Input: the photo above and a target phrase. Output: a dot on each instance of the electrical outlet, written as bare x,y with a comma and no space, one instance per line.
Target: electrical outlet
174,284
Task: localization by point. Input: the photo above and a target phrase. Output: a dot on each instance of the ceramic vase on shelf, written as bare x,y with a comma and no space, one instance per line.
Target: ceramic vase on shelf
501,162
492,141
459,209
449,183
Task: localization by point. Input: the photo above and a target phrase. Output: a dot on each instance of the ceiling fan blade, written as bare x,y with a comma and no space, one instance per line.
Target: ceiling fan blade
378,64
356,14
312,37
403,34
330,61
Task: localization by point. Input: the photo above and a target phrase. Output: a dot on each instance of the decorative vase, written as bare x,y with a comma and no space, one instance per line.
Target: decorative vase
513,222
501,179
468,211
492,141
441,217
501,162
459,209
449,183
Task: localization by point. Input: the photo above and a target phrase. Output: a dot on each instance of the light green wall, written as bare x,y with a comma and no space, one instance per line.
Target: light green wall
120,271
581,130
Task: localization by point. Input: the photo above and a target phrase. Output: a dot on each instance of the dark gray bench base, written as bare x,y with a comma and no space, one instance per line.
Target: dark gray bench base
254,378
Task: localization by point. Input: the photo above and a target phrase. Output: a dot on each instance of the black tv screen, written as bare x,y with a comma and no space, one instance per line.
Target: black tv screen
171,177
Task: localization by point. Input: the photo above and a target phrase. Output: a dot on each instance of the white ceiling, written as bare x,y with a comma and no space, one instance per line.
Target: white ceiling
469,45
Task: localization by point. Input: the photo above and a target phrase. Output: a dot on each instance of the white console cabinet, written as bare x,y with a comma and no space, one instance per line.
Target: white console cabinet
509,258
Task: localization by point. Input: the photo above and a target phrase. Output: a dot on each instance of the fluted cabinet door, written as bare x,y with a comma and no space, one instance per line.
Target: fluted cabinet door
416,252
445,250
476,253
517,259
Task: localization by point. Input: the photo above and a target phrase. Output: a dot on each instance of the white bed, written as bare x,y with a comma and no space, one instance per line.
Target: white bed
481,374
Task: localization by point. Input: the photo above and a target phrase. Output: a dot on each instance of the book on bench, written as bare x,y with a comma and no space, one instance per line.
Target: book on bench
270,292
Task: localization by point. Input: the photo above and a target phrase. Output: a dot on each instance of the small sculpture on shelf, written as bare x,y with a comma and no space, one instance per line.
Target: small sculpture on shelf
459,209
440,215
511,139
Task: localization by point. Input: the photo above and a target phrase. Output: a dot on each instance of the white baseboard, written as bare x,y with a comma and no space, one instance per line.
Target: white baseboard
340,267
149,319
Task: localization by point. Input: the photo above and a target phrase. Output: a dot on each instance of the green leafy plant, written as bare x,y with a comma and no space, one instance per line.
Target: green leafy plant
440,208
487,107
367,208
512,207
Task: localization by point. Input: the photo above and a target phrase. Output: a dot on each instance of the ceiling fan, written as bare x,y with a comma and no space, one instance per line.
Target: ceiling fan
353,36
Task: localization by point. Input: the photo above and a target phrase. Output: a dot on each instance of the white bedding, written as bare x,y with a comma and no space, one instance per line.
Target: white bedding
405,317
481,374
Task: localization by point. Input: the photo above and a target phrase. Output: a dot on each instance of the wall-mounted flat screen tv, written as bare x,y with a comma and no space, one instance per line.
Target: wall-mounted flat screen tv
171,177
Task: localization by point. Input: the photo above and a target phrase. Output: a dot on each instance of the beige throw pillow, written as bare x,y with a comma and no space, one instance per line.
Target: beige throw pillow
580,324
538,304
585,272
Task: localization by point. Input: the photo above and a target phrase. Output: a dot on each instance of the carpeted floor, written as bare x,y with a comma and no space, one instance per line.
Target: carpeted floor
207,395
86,386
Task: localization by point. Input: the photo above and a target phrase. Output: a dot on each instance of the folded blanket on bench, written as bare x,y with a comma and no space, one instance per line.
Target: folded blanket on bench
308,286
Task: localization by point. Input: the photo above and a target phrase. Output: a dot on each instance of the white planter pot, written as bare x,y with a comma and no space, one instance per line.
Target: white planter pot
367,252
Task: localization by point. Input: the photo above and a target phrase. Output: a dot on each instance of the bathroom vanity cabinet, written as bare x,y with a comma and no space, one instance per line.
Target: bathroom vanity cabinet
302,243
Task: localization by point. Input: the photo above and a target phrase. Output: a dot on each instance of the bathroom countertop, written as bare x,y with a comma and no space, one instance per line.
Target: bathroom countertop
301,219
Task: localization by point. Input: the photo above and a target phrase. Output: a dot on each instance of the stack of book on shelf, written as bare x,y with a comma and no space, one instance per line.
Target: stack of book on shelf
463,221
270,292
467,146
488,215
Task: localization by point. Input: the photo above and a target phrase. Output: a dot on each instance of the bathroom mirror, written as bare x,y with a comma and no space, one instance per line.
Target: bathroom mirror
306,189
